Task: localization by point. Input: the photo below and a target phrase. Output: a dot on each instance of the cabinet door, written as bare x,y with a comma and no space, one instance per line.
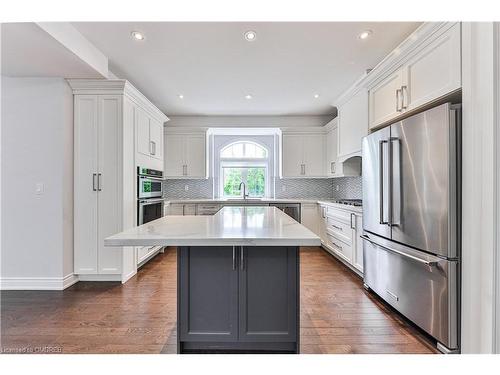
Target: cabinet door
291,156
383,101
268,290
208,302
314,154
434,71
156,138
322,224
174,155
85,198
142,132
174,209
353,124
309,217
331,152
110,181
196,161
357,223
189,209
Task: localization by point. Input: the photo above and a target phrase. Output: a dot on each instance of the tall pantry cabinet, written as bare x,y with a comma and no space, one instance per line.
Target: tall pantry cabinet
105,168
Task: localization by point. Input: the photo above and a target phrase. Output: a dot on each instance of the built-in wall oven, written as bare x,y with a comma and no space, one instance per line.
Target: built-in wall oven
149,206
149,183
149,195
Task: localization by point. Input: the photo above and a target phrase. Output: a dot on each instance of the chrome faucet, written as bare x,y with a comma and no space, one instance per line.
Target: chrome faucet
245,195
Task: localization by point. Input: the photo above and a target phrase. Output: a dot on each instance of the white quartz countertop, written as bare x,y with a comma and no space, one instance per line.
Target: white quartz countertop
239,226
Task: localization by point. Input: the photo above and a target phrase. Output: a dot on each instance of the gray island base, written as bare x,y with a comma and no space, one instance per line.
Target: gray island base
238,299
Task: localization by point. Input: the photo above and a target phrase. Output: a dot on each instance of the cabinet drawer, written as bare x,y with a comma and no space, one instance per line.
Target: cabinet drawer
341,248
341,229
338,214
207,209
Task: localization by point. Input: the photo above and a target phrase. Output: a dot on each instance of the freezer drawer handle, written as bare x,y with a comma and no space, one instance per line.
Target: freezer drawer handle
428,263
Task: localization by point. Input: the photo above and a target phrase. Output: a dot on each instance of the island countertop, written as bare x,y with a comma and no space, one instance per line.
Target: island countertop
231,226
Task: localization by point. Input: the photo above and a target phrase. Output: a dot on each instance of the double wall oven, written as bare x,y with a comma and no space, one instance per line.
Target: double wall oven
149,195
149,206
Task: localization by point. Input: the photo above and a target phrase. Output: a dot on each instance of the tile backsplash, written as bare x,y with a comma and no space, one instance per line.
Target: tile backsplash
347,188
331,188
197,189
303,188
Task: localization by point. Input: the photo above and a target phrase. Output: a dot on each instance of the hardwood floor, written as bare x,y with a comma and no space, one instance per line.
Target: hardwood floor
337,314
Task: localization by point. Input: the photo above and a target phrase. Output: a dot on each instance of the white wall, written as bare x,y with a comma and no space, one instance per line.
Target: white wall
37,147
478,185
247,121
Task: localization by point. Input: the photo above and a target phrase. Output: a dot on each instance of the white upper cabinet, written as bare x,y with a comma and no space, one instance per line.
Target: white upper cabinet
434,71
314,155
292,155
303,155
196,161
331,151
385,99
185,155
429,72
352,124
156,138
149,132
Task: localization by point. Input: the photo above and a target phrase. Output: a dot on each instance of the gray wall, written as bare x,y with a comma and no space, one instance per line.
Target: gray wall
37,147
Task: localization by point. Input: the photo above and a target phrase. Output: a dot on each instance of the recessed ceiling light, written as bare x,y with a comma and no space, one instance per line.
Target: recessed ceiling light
365,34
248,96
137,35
250,36
316,96
180,96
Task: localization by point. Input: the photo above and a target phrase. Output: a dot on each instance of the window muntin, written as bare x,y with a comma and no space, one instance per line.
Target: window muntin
243,150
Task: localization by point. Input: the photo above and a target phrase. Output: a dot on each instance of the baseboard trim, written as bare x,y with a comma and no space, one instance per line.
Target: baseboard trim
95,277
38,283
129,276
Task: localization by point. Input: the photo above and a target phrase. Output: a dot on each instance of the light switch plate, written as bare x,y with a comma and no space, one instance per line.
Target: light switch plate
186,187
39,188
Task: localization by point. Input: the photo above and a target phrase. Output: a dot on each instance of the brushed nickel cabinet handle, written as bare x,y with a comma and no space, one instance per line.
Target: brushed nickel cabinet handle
242,265
404,97
99,187
234,258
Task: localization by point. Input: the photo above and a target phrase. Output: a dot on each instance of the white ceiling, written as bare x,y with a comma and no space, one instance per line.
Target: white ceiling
214,67
29,51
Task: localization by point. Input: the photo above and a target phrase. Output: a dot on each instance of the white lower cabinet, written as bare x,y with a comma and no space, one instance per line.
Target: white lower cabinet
180,209
145,253
340,229
309,217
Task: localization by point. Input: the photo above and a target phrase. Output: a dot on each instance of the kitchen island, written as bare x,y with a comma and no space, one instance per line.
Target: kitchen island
237,277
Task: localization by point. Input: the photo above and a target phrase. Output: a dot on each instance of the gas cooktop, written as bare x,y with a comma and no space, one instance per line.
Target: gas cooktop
350,202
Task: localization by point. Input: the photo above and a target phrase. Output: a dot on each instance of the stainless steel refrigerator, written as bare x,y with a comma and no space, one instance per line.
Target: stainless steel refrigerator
411,219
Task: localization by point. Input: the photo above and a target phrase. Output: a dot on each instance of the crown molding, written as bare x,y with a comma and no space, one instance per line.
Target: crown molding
115,87
396,58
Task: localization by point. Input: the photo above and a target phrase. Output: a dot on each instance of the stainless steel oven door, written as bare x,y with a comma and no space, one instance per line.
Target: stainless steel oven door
149,210
149,187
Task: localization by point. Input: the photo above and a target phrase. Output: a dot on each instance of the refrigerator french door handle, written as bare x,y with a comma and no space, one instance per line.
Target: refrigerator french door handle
381,177
393,202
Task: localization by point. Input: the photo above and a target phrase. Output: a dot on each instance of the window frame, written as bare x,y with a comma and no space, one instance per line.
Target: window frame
244,162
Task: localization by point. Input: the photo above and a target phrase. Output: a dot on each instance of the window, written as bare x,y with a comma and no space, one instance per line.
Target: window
245,162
